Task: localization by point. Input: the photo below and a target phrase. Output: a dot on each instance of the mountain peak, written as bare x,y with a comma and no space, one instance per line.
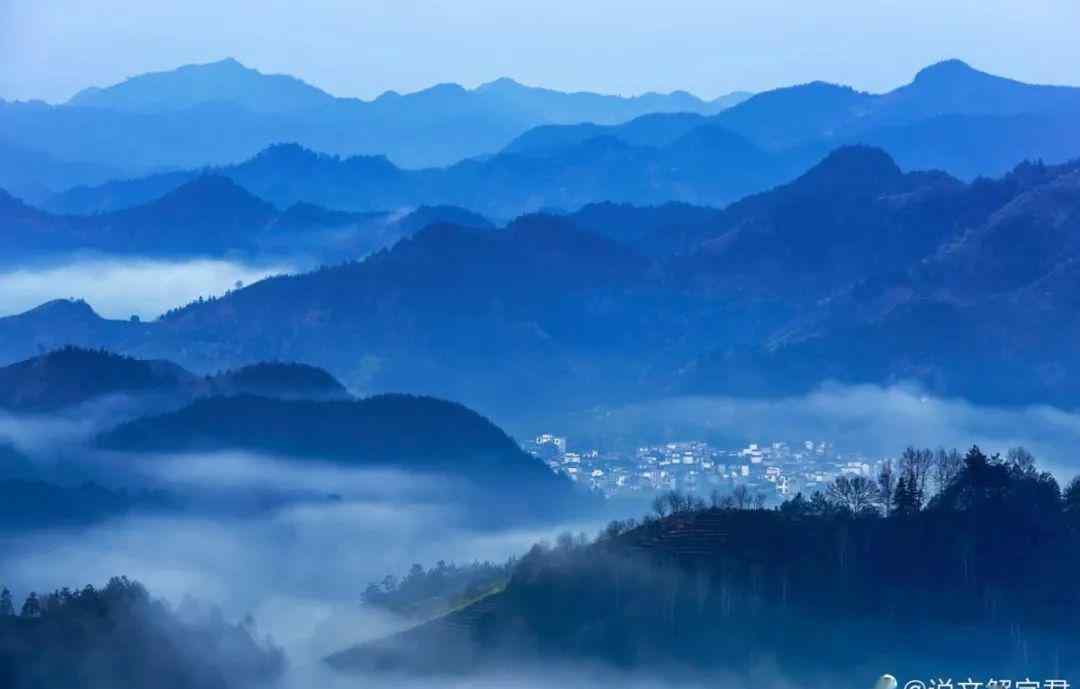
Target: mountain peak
501,84
189,86
65,308
945,70
851,167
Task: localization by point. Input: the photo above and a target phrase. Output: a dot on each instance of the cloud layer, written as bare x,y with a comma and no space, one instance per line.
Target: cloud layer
119,288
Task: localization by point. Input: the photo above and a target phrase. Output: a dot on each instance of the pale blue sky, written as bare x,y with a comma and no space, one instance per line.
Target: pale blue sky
51,48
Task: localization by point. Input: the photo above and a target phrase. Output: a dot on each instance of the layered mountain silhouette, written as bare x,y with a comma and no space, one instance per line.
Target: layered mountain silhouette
223,112
950,117
535,149
856,271
706,166
210,214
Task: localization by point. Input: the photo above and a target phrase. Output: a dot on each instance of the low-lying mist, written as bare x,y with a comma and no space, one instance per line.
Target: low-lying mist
878,421
292,542
122,287
295,542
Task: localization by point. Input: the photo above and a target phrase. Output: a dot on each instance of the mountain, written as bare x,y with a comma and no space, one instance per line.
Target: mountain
210,214
709,166
855,271
994,295
71,375
953,87
215,114
950,117
68,376
38,176
418,435
194,85
278,381
62,322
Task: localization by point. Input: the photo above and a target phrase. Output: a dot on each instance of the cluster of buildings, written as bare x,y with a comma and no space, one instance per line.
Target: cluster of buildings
777,470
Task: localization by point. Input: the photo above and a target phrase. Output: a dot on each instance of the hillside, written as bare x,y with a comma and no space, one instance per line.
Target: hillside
855,271
418,435
70,376
724,590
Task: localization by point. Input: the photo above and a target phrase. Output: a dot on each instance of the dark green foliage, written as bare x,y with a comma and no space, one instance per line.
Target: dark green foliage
827,595
70,375
118,636
425,593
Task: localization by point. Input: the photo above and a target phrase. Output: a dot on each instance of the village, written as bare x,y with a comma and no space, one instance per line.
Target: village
775,470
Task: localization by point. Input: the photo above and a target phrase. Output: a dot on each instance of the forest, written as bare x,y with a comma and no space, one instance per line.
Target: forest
119,636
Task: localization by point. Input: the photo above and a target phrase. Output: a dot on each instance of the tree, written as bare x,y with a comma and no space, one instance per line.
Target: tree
905,497
7,608
797,506
916,465
660,506
1020,460
855,494
819,504
1072,497
886,485
741,494
31,606
947,465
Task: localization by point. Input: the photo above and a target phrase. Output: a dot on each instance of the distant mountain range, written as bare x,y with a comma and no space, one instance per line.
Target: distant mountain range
951,117
855,271
208,215
217,113
707,166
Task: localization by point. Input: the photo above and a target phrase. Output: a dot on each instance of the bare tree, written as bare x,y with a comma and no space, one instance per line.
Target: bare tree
854,493
947,465
1021,460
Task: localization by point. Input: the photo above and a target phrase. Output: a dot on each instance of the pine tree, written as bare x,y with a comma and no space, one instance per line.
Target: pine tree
906,496
7,608
31,606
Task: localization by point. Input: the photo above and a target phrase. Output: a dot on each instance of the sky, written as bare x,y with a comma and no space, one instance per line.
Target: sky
50,49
